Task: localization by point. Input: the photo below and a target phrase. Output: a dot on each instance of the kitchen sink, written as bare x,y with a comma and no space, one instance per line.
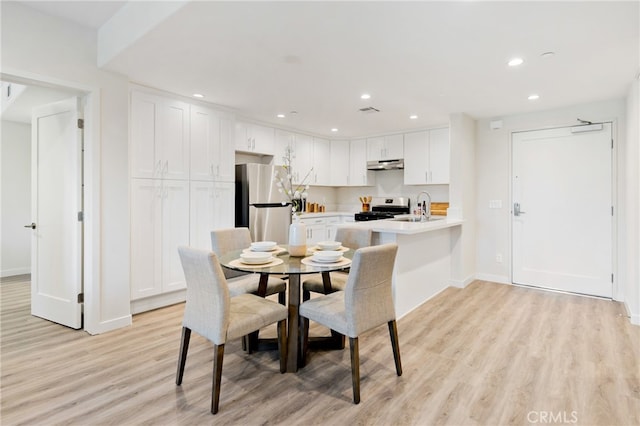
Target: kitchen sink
415,218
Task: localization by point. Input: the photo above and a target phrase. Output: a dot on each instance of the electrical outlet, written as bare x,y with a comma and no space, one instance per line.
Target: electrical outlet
498,258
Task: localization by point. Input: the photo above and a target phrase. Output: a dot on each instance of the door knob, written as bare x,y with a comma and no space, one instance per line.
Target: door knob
516,209
31,225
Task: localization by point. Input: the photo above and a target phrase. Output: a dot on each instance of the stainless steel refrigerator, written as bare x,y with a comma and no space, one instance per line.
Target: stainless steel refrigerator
259,204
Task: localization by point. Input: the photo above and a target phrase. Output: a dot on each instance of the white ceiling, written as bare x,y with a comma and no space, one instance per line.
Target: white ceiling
424,58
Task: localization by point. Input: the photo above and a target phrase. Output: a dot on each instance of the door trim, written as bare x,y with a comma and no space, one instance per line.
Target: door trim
90,96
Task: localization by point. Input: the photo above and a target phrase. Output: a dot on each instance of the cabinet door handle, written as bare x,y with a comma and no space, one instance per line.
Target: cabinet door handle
253,143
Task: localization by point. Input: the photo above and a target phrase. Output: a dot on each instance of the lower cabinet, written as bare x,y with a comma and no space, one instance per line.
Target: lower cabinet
320,229
159,224
211,207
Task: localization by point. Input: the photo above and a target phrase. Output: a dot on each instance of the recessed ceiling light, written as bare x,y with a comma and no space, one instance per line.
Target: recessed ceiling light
515,62
365,96
533,97
198,95
413,117
334,130
280,115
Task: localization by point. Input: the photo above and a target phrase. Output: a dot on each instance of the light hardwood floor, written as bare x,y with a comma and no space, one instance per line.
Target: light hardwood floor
486,355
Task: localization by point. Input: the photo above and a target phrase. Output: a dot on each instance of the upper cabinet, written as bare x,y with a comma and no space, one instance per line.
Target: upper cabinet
254,139
385,148
339,163
426,158
322,162
159,137
301,147
358,173
212,154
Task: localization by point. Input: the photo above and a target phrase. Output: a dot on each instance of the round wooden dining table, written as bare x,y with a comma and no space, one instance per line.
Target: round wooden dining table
293,267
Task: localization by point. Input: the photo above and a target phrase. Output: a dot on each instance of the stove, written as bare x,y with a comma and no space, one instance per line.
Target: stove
385,208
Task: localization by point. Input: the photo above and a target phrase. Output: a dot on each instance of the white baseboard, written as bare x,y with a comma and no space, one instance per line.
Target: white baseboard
411,310
14,271
500,279
633,318
462,283
159,301
110,325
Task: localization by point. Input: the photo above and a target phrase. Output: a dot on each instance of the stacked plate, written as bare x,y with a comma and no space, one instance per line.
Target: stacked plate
329,245
263,246
327,256
256,258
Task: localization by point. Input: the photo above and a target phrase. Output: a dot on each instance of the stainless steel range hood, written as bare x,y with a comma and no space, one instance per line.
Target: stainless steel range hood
386,164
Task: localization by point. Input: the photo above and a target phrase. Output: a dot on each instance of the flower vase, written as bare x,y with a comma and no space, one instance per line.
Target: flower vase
297,238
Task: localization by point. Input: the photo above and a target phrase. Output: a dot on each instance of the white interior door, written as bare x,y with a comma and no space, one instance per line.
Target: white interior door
56,277
562,212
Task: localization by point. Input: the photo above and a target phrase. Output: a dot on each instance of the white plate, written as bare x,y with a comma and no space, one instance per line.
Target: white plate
321,260
255,258
264,246
329,245
327,256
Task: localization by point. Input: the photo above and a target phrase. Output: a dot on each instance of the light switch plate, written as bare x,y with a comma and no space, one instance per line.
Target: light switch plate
495,204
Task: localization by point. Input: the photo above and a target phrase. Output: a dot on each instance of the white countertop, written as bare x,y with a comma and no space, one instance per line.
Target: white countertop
399,227
325,214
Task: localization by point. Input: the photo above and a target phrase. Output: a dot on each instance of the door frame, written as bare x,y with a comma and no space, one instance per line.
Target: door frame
615,290
91,240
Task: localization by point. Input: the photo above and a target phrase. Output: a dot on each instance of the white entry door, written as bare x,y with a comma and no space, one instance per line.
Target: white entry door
56,264
562,209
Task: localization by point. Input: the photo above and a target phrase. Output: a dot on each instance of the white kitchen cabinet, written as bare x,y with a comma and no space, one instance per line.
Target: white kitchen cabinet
159,137
212,157
385,148
332,225
322,162
211,207
316,230
160,224
254,138
358,173
339,163
301,154
427,157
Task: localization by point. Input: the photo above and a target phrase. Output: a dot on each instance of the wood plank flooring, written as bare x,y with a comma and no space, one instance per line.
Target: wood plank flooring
488,354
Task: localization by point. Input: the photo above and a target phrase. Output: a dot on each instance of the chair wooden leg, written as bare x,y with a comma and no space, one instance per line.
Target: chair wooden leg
304,340
355,369
306,295
182,357
282,345
282,298
393,332
218,354
252,341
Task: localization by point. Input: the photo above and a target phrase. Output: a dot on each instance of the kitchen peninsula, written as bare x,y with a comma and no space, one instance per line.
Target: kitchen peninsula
423,264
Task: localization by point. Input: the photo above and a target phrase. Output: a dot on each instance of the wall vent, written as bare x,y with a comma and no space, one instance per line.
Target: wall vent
369,110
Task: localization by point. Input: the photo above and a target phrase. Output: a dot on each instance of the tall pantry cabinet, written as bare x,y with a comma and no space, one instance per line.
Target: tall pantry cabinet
181,188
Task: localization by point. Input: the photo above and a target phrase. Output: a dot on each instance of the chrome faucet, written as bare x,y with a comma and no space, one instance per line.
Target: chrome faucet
425,209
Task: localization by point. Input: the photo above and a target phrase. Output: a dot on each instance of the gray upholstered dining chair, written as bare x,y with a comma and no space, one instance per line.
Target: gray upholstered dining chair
353,238
211,312
225,240
365,303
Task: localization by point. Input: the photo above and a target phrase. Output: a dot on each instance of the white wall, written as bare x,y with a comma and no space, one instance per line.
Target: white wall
493,154
43,48
629,270
15,207
462,198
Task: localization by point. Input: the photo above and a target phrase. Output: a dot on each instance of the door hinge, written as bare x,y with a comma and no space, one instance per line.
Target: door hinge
80,123
611,143
80,216
81,298
611,278
611,210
